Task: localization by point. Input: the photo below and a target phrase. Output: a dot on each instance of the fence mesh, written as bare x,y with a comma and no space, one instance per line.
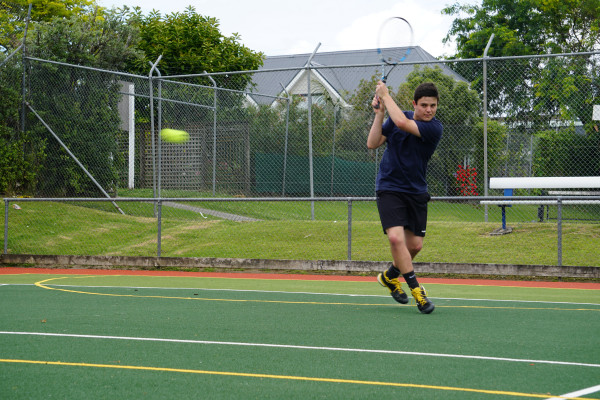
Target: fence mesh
243,142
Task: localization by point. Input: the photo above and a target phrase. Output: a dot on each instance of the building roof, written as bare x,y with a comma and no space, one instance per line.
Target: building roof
286,71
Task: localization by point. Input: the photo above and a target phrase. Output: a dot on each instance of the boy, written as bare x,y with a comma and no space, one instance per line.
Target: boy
402,196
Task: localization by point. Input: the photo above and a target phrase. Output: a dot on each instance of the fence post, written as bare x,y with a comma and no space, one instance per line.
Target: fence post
310,138
159,122
6,202
159,227
24,78
152,130
349,229
285,146
485,127
214,166
559,229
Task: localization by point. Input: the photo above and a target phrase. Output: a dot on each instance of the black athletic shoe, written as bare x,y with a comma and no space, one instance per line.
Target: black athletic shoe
394,286
423,303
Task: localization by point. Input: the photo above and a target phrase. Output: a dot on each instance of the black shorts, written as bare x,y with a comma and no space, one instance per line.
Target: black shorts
403,209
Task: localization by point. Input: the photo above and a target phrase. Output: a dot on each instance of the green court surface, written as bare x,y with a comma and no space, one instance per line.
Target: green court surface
163,337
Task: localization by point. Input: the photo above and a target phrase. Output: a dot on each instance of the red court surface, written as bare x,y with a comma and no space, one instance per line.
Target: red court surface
243,275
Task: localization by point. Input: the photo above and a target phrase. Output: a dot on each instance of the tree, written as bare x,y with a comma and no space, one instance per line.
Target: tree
13,15
535,95
78,104
22,153
191,44
100,38
530,27
525,27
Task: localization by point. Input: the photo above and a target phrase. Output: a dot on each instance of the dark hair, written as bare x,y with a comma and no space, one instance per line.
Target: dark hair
427,89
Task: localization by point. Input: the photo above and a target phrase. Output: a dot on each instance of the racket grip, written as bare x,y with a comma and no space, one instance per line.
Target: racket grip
376,106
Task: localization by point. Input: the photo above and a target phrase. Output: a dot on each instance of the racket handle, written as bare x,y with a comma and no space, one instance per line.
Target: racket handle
384,80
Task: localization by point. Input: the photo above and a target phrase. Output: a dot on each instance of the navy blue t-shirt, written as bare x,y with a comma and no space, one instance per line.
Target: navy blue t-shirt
404,164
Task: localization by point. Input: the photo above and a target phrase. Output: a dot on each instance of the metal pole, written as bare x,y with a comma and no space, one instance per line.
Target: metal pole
214,180
24,82
159,229
485,127
349,229
559,229
6,202
310,141
285,145
152,131
159,142
15,51
333,148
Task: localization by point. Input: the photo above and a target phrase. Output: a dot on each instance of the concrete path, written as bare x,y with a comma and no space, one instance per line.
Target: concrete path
203,211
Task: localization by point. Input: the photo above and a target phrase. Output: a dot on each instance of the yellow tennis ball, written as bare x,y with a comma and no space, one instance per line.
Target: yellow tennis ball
174,136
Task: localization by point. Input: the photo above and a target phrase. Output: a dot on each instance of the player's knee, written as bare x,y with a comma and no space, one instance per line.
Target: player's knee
415,248
396,240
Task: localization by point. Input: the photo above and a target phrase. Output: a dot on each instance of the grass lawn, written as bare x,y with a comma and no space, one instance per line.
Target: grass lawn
456,233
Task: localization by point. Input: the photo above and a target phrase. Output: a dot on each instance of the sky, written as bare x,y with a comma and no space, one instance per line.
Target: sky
280,27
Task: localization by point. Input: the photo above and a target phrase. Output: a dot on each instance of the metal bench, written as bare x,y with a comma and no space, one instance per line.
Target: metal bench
571,182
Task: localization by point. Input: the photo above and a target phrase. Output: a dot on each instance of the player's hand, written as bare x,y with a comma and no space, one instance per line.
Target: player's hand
377,104
381,90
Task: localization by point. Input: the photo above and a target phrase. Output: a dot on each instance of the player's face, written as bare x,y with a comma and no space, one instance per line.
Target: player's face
425,108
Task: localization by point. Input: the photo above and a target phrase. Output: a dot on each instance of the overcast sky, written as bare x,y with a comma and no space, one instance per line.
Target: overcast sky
279,27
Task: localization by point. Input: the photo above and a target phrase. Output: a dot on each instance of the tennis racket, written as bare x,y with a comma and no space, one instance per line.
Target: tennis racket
395,42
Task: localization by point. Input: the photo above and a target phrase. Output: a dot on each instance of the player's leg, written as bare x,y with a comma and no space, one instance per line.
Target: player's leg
392,214
402,263
414,244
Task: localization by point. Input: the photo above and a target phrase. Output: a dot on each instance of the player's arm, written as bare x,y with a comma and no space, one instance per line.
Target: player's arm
395,113
376,138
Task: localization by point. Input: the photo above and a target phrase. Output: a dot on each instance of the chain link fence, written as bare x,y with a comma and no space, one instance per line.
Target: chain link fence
300,132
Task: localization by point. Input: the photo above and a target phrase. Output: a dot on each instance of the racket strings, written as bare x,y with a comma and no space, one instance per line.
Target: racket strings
395,40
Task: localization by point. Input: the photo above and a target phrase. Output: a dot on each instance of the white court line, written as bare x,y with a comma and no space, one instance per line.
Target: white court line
307,293
285,346
579,393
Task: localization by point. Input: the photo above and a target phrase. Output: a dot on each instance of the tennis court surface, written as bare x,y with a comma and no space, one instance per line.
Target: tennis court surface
174,335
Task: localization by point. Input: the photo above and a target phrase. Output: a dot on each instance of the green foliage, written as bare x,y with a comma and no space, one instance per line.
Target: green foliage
562,85
525,27
103,40
496,147
563,152
79,105
352,138
13,15
20,162
191,44
531,27
20,153
273,138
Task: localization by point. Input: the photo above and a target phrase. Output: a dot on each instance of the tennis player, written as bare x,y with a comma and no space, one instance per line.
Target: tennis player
402,196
